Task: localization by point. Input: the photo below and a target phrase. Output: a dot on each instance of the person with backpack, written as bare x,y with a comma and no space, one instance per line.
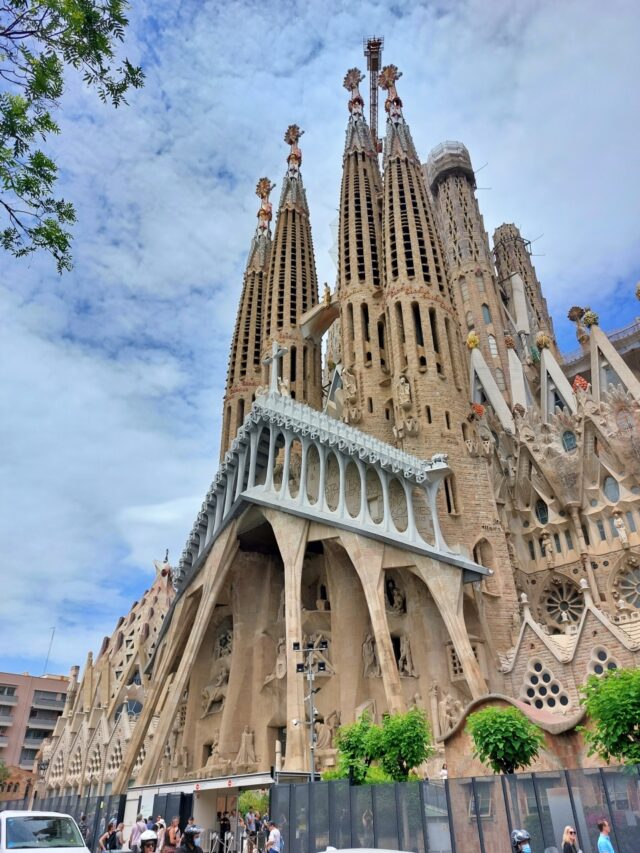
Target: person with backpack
109,840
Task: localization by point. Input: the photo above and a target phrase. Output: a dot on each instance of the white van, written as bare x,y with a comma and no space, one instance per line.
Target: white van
39,831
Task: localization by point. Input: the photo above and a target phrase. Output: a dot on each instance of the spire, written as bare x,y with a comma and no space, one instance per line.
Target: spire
358,134
292,287
398,141
292,188
244,373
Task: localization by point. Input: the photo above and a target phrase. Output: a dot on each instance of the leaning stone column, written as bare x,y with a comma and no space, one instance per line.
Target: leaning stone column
366,556
291,536
445,585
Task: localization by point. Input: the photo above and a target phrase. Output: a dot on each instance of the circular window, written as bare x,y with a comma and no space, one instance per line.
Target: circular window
542,690
537,666
562,603
628,585
602,655
601,662
564,700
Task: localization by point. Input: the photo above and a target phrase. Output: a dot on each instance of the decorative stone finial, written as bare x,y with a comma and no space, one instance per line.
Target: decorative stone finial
472,340
509,342
265,214
576,313
543,341
590,318
387,81
291,137
351,83
584,586
580,384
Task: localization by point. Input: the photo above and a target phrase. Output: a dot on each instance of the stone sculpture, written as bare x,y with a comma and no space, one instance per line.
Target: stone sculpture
280,669
370,658
405,661
246,756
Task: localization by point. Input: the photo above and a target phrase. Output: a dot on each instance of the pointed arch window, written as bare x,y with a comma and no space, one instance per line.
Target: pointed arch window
470,319
464,288
569,441
611,489
542,512
486,313
493,346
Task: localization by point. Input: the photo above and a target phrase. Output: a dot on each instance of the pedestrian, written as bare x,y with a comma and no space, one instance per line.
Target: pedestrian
150,822
604,842
161,829
83,826
109,840
274,842
570,841
138,828
172,836
190,839
148,841
520,841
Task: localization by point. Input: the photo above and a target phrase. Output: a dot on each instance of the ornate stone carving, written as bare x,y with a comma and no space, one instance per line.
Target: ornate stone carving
370,658
280,668
214,694
561,602
291,137
246,757
626,586
621,528
449,712
395,599
349,386
403,389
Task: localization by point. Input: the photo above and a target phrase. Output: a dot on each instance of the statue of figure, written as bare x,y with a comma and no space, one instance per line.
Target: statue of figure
397,605
294,159
224,644
449,710
404,393
246,754
620,526
547,544
323,736
265,214
333,721
370,658
405,661
283,387
280,669
214,754
326,295
213,695
349,386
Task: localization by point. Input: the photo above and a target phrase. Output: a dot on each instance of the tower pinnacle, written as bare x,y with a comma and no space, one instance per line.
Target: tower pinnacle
398,141
387,81
359,136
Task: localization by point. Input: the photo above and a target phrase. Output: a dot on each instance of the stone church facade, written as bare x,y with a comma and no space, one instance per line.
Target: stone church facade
452,521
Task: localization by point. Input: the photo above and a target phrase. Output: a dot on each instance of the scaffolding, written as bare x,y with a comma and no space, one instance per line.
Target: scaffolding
373,51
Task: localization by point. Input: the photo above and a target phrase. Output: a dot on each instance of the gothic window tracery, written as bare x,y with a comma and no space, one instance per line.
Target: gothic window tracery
542,689
542,511
562,603
569,441
627,588
611,489
486,313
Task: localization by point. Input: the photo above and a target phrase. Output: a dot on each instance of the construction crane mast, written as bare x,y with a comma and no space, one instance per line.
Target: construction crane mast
373,52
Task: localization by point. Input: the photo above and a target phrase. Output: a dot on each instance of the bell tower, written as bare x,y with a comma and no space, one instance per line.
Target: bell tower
292,287
245,371
366,371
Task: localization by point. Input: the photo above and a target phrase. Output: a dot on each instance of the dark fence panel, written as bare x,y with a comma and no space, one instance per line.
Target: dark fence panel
468,815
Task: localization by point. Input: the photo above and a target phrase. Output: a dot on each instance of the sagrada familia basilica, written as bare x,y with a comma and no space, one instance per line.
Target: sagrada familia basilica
446,512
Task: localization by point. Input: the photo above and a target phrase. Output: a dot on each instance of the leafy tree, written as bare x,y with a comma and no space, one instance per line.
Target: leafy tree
258,800
612,703
4,772
504,738
39,40
369,753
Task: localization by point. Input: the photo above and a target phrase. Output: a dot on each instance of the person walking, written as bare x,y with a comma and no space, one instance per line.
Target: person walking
604,842
138,828
570,841
172,835
148,841
120,836
190,839
274,842
83,826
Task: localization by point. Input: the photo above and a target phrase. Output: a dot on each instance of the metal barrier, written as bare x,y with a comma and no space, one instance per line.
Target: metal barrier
467,815
99,810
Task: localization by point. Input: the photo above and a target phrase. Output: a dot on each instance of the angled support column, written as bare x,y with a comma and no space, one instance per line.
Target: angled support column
445,585
366,556
291,535
215,571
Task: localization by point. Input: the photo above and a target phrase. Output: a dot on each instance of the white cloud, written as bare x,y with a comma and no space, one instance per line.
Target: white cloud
113,375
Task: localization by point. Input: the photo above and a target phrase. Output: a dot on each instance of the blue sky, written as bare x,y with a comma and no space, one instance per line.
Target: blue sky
112,376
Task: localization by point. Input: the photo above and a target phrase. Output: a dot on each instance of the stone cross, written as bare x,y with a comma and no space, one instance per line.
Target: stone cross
277,352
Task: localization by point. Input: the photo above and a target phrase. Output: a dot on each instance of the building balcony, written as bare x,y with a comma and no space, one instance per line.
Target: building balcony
48,703
32,742
39,723
4,741
8,700
6,719
27,764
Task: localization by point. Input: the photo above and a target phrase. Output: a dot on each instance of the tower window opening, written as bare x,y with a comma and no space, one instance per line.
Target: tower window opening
493,346
401,335
434,335
480,282
450,494
532,550
447,420
486,313
585,533
569,441
453,355
427,411
387,413
601,530
370,405
556,539
292,365
568,539
381,344
240,413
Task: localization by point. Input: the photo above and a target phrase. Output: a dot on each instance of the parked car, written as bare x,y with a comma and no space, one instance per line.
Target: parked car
39,831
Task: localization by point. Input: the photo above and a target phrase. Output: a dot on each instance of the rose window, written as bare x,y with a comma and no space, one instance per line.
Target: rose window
563,603
629,586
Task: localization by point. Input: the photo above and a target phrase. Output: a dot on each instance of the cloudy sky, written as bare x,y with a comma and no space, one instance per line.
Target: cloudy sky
112,376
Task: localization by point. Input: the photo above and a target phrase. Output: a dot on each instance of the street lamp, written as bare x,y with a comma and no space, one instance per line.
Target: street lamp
311,668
